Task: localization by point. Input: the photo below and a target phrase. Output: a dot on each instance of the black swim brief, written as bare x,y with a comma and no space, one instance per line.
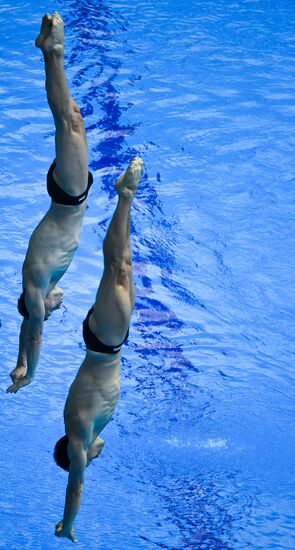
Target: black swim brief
93,343
59,196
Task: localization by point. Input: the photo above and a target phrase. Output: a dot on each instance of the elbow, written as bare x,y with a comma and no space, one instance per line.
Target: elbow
34,340
75,490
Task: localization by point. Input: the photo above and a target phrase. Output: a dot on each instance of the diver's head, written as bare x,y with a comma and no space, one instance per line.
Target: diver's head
61,456
60,453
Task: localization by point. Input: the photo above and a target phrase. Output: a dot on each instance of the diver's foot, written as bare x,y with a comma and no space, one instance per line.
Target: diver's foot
18,373
53,301
127,184
51,37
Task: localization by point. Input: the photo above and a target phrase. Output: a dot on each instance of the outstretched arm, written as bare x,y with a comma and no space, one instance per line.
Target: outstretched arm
35,329
78,463
21,364
30,337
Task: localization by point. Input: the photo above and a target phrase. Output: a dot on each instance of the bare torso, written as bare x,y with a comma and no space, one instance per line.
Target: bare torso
52,245
93,395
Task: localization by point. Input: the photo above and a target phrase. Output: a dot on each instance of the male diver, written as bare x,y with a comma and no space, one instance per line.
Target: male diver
54,241
94,392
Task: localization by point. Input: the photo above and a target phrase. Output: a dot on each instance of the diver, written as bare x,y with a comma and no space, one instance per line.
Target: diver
95,390
55,240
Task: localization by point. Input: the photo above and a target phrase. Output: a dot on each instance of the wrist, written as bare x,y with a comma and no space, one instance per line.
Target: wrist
67,527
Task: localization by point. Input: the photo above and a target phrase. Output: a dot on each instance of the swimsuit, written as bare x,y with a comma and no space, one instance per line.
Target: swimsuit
93,343
59,196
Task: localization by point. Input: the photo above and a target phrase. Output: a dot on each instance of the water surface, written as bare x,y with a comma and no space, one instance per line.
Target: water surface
200,452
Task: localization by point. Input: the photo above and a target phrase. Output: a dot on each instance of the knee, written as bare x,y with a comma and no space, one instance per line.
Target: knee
76,121
75,107
71,118
121,269
119,262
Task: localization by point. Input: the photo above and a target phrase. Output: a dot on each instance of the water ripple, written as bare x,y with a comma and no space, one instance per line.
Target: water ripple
200,453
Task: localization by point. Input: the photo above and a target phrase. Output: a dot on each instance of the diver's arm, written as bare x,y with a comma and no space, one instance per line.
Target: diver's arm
30,337
36,308
22,353
78,463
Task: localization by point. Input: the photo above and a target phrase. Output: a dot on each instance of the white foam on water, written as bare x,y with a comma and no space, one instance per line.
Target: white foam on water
210,443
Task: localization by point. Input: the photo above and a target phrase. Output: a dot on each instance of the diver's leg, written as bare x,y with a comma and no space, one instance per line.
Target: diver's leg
115,296
71,171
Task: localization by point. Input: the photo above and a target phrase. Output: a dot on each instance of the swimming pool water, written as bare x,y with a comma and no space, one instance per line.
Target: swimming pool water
200,452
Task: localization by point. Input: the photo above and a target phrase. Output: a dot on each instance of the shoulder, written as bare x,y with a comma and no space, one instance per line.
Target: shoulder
34,300
75,446
78,430
78,460
35,275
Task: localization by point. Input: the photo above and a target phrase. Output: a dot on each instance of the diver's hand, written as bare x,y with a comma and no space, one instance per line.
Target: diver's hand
19,383
19,372
61,532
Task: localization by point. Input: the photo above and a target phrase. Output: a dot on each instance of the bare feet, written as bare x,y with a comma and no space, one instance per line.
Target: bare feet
127,184
53,301
51,37
18,373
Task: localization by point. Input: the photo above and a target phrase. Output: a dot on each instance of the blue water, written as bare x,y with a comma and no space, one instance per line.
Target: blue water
200,452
